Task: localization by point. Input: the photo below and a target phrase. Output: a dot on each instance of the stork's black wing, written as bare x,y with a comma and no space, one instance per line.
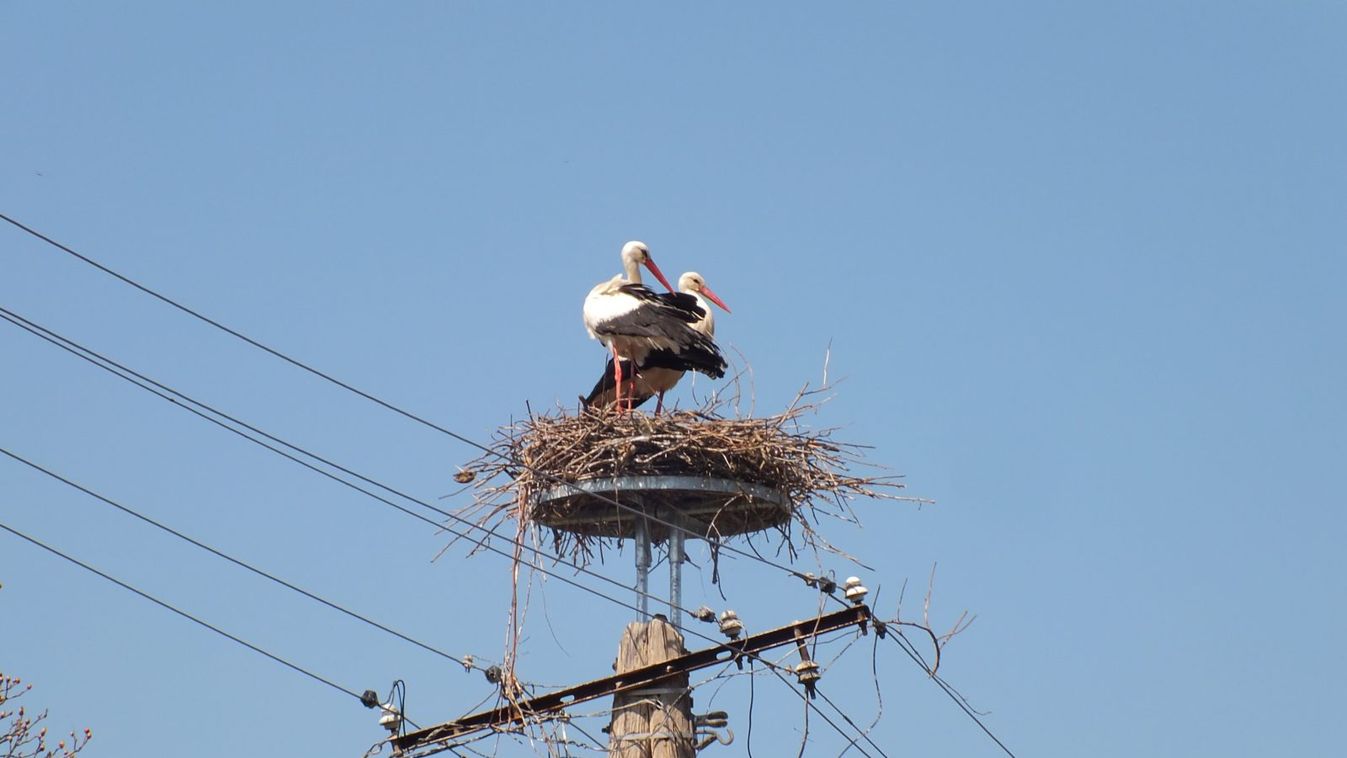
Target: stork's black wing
684,302
654,319
702,356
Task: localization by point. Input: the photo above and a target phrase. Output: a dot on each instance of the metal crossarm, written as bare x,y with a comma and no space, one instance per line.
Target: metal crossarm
436,737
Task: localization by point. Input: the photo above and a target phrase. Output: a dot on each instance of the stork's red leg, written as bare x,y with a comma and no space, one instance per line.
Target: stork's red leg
617,381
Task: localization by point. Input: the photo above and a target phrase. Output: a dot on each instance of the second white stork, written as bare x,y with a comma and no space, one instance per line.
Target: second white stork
662,369
633,321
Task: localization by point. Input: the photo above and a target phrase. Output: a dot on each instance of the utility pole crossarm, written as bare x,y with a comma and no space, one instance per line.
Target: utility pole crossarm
648,676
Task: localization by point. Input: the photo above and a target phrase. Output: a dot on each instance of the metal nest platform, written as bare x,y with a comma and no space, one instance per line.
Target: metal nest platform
710,507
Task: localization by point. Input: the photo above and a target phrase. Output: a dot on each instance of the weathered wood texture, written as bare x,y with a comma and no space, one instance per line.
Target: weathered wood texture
653,724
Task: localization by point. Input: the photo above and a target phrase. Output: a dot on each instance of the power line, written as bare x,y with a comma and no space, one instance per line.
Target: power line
184,614
824,716
140,380
905,646
387,405
864,733
235,561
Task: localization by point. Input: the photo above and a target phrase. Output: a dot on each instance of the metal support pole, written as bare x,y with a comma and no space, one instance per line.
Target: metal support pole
643,567
675,573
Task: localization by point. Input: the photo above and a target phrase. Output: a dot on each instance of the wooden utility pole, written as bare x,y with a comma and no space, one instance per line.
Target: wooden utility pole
655,722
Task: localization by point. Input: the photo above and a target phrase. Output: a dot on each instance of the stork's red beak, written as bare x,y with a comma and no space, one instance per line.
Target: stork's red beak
714,298
650,264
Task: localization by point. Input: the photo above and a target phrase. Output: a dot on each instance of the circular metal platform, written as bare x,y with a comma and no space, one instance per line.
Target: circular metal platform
709,507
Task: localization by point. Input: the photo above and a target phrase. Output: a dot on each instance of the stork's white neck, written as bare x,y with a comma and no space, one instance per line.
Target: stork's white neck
632,269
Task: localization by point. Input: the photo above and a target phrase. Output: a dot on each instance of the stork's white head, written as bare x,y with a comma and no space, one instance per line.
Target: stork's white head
634,255
635,251
694,282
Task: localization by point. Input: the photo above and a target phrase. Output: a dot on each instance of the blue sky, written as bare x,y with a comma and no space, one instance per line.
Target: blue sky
1080,266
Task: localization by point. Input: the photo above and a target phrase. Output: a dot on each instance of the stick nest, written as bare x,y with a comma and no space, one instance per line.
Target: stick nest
796,475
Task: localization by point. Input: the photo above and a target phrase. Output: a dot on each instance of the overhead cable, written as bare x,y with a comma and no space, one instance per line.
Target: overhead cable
235,561
184,614
903,644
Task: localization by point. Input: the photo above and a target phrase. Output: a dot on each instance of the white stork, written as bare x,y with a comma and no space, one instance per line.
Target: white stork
662,369
633,321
